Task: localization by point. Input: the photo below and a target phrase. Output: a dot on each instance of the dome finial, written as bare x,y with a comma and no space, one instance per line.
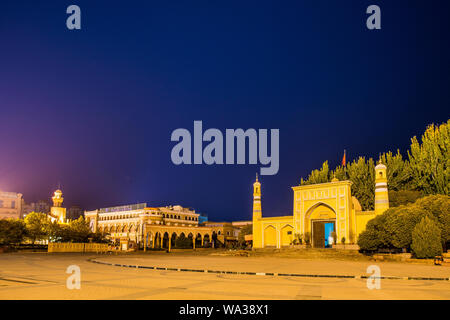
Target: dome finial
257,177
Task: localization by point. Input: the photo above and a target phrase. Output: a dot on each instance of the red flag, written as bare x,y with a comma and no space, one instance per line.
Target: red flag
343,160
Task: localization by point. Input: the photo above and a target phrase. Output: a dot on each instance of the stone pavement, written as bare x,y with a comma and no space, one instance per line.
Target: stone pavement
43,276
277,265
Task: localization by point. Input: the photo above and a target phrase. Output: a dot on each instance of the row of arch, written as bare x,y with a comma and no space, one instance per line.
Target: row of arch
119,217
119,228
174,216
170,239
278,237
135,215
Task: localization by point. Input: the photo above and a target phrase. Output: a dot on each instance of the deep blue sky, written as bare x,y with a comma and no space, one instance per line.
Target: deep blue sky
94,109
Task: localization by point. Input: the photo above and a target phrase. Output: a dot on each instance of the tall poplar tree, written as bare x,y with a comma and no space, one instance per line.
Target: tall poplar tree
429,161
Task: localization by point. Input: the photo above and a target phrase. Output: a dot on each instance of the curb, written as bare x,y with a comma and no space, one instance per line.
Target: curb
272,274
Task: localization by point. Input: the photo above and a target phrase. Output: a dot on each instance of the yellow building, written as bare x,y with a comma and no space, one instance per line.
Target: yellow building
321,212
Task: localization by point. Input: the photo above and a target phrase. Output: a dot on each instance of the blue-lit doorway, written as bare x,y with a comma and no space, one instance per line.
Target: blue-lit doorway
329,229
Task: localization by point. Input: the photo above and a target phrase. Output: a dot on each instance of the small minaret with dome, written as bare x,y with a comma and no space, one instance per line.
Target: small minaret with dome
381,188
57,211
257,212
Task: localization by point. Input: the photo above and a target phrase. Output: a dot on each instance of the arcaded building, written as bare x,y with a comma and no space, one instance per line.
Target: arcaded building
142,226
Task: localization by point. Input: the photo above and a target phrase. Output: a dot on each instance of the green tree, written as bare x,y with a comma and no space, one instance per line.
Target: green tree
398,173
426,239
362,174
79,230
430,160
403,197
12,231
340,173
57,232
36,225
318,176
99,237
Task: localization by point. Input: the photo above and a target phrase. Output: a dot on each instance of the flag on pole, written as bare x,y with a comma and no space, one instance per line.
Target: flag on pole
343,160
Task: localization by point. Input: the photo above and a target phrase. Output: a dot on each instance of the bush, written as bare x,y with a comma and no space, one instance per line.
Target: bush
376,235
394,228
400,223
307,238
12,231
426,239
439,207
369,240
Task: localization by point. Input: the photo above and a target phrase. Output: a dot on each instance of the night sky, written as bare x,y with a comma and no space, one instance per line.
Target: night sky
93,109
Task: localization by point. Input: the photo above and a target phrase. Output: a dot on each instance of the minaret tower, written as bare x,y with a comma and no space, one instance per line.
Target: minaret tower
57,211
257,213
381,189
57,198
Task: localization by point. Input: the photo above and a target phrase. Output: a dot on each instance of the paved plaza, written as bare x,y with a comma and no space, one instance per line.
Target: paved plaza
43,276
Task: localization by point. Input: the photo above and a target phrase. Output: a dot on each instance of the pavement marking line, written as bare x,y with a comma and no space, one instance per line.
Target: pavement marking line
19,281
270,273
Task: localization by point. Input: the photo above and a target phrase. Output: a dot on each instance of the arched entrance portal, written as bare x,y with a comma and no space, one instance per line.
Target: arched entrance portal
320,221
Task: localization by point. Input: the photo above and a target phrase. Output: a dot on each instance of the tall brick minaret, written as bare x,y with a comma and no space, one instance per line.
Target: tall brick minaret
257,213
381,189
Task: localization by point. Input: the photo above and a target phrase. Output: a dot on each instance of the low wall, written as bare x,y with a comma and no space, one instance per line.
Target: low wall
77,247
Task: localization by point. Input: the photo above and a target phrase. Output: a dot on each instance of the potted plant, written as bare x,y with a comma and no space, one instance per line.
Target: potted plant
343,242
308,239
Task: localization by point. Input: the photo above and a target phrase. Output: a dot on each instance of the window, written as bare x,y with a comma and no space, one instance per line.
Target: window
289,232
13,204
